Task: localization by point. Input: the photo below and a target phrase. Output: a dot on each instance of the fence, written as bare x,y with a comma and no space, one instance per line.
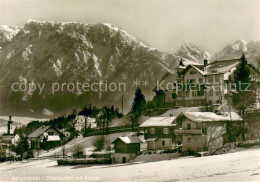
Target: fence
111,130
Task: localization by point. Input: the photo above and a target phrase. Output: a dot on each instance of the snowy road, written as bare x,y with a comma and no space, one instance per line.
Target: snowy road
239,166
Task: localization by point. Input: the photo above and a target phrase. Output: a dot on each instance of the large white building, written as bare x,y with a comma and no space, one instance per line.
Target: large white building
196,84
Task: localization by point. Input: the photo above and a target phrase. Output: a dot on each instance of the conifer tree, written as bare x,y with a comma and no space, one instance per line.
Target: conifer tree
138,107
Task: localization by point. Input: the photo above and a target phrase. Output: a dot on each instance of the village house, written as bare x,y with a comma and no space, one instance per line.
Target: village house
159,132
200,84
126,148
45,137
204,131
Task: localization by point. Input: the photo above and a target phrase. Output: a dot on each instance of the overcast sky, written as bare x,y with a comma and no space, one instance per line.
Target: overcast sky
162,24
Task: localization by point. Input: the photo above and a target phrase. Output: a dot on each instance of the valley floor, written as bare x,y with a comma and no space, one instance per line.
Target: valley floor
240,166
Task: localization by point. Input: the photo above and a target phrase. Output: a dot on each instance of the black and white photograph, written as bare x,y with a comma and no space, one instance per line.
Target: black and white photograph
130,90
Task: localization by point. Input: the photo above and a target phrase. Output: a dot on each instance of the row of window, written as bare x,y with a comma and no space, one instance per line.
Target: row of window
165,130
193,81
195,93
210,79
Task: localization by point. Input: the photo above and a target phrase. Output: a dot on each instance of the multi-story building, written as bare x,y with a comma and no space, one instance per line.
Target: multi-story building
204,131
159,132
197,84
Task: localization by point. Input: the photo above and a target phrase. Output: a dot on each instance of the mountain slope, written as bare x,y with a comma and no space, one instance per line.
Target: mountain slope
50,52
193,53
237,48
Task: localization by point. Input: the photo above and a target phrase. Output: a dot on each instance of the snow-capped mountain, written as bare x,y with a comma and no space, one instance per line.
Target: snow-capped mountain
8,32
236,49
47,52
50,52
193,53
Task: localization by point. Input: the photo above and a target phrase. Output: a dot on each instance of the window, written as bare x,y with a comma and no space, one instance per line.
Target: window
211,79
163,143
187,93
217,78
165,130
194,93
211,92
188,126
189,140
50,133
200,80
173,95
187,81
201,92
152,130
192,80
192,72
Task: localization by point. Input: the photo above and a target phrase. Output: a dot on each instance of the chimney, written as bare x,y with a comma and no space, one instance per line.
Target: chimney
205,62
205,65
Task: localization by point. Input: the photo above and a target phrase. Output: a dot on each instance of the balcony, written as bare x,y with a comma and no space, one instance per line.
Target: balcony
190,131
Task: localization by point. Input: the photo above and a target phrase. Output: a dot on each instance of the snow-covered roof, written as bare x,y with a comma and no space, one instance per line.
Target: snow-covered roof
187,62
39,131
159,121
217,67
129,139
53,138
151,139
211,116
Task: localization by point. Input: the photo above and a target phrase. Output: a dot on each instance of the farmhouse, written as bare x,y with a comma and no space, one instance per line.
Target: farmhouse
204,131
159,132
126,148
200,84
45,136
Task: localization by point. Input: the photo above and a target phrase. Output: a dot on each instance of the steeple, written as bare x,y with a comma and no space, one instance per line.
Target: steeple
9,125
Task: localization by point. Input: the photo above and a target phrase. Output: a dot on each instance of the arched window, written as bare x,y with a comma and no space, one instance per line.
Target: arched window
188,126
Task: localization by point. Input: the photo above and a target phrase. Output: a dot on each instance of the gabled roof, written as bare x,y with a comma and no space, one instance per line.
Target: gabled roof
210,116
158,121
185,62
129,139
40,131
192,66
221,66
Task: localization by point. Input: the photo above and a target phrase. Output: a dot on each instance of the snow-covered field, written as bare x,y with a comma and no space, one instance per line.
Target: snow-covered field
239,166
85,142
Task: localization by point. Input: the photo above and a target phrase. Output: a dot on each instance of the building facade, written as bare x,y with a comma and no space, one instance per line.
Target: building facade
198,85
126,148
159,132
203,131
45,136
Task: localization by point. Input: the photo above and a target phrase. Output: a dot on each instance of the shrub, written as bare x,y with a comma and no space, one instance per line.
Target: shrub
99,143
79,152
